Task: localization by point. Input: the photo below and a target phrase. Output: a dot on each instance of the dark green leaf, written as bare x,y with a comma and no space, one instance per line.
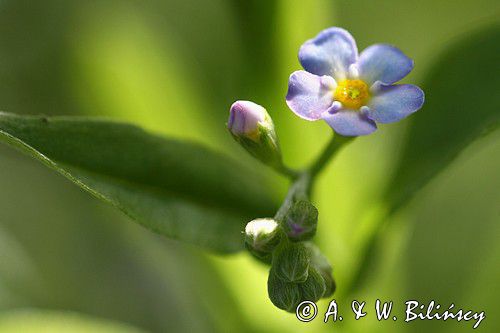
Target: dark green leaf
462,103
178,189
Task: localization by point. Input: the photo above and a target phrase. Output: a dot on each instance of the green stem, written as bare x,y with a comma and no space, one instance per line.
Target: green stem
286,171
298,190
303,181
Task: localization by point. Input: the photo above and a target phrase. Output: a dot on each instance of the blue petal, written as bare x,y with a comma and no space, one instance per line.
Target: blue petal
310,95
350,123
393,103
383,63
329,53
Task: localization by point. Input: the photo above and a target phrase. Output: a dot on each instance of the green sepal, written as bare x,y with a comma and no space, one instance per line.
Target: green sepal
291,262
284,295
324,268
264,257
314,287
264,147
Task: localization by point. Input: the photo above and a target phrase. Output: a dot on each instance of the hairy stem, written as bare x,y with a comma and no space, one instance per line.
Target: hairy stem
298,191
303,181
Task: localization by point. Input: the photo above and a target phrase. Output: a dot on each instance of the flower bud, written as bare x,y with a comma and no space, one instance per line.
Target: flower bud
284,295
253,128
314,287
322,265
291,262
301,221
261,237
329,284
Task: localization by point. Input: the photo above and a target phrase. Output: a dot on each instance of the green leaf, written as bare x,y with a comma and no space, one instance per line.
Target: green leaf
458,219
461,105
178,189
52,257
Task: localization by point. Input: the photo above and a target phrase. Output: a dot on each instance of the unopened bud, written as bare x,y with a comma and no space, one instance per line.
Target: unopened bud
253,128
291,262
284,295
322,265
314,287
261,237
301,221
329,284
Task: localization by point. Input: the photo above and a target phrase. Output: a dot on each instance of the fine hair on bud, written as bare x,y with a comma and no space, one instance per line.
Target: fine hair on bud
261,238
262,234
300,221
284,295
330,285
291,262
314,287
323,267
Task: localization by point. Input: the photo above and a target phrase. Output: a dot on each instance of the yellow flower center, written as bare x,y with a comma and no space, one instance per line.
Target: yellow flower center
353,94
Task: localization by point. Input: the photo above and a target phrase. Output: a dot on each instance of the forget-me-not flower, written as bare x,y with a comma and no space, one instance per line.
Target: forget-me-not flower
349,91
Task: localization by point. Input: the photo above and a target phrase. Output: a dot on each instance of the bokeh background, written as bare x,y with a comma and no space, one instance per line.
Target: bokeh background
71,263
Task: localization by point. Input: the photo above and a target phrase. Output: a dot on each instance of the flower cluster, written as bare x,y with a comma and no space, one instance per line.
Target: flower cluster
299,271
351,93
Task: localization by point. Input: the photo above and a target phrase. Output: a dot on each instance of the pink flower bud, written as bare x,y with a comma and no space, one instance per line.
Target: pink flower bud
245,118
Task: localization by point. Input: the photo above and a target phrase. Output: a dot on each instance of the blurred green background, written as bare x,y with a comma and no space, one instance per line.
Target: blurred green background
71,263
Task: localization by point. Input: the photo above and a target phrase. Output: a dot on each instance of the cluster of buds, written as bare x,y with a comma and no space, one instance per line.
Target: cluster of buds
299,271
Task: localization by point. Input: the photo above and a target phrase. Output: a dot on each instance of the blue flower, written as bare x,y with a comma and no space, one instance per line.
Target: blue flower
349,91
